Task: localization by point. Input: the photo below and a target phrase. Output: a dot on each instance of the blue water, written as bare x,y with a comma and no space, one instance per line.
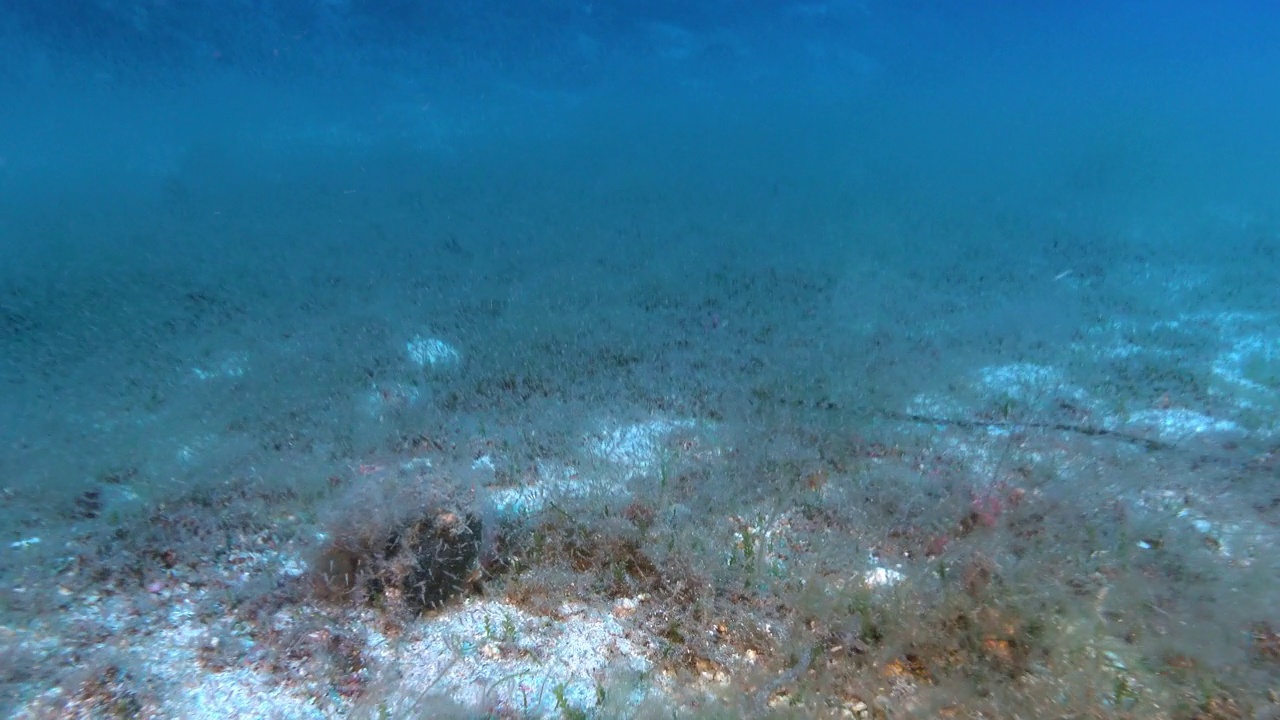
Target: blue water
223,222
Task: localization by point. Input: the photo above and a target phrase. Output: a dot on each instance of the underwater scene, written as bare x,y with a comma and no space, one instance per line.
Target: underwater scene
662,359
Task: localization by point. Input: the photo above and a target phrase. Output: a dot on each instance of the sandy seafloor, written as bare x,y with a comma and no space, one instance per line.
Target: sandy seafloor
199,374
161,629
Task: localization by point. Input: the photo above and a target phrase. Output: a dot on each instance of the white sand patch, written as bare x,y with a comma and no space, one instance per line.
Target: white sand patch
167,661
1251,364
1247,371
628,451
937,406
432,352
635,449
194,692
552,481
1174,424
882,577
192,452
497,659
232,365
1024,381
1121,337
